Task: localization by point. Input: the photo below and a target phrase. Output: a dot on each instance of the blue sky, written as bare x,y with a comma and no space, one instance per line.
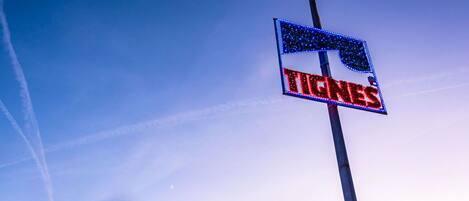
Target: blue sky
180,100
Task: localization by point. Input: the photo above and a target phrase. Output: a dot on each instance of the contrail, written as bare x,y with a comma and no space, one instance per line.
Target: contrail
31,125
171,120
18,130
176,119
436,89
425,78
12,163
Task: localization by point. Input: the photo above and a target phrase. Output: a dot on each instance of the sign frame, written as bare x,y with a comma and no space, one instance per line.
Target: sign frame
278,38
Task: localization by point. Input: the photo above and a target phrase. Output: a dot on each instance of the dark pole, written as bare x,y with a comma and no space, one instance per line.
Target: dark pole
339,143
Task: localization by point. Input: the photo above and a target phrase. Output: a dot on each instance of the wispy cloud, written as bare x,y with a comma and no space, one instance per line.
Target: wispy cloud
32,136
177,119
18,130
434,90
426,78
172,120
12,163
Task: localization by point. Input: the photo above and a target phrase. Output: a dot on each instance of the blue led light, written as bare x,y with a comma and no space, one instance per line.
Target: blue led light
353,53
296,38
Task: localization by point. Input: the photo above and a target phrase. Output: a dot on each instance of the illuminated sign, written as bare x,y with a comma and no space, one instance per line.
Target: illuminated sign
353,54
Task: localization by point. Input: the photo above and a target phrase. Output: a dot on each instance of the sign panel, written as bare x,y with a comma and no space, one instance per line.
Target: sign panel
353,54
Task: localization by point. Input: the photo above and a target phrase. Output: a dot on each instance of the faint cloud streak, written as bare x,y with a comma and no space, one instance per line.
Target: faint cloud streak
33,135
172,120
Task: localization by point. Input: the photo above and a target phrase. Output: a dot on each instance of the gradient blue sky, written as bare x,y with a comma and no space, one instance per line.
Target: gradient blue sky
206,72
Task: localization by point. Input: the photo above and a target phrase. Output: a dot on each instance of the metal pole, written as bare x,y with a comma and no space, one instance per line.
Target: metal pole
339,143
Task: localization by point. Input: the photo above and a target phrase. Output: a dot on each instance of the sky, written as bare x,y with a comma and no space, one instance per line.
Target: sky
180,100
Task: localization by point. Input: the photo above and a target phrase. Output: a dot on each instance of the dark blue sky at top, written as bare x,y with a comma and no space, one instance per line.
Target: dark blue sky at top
96,47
